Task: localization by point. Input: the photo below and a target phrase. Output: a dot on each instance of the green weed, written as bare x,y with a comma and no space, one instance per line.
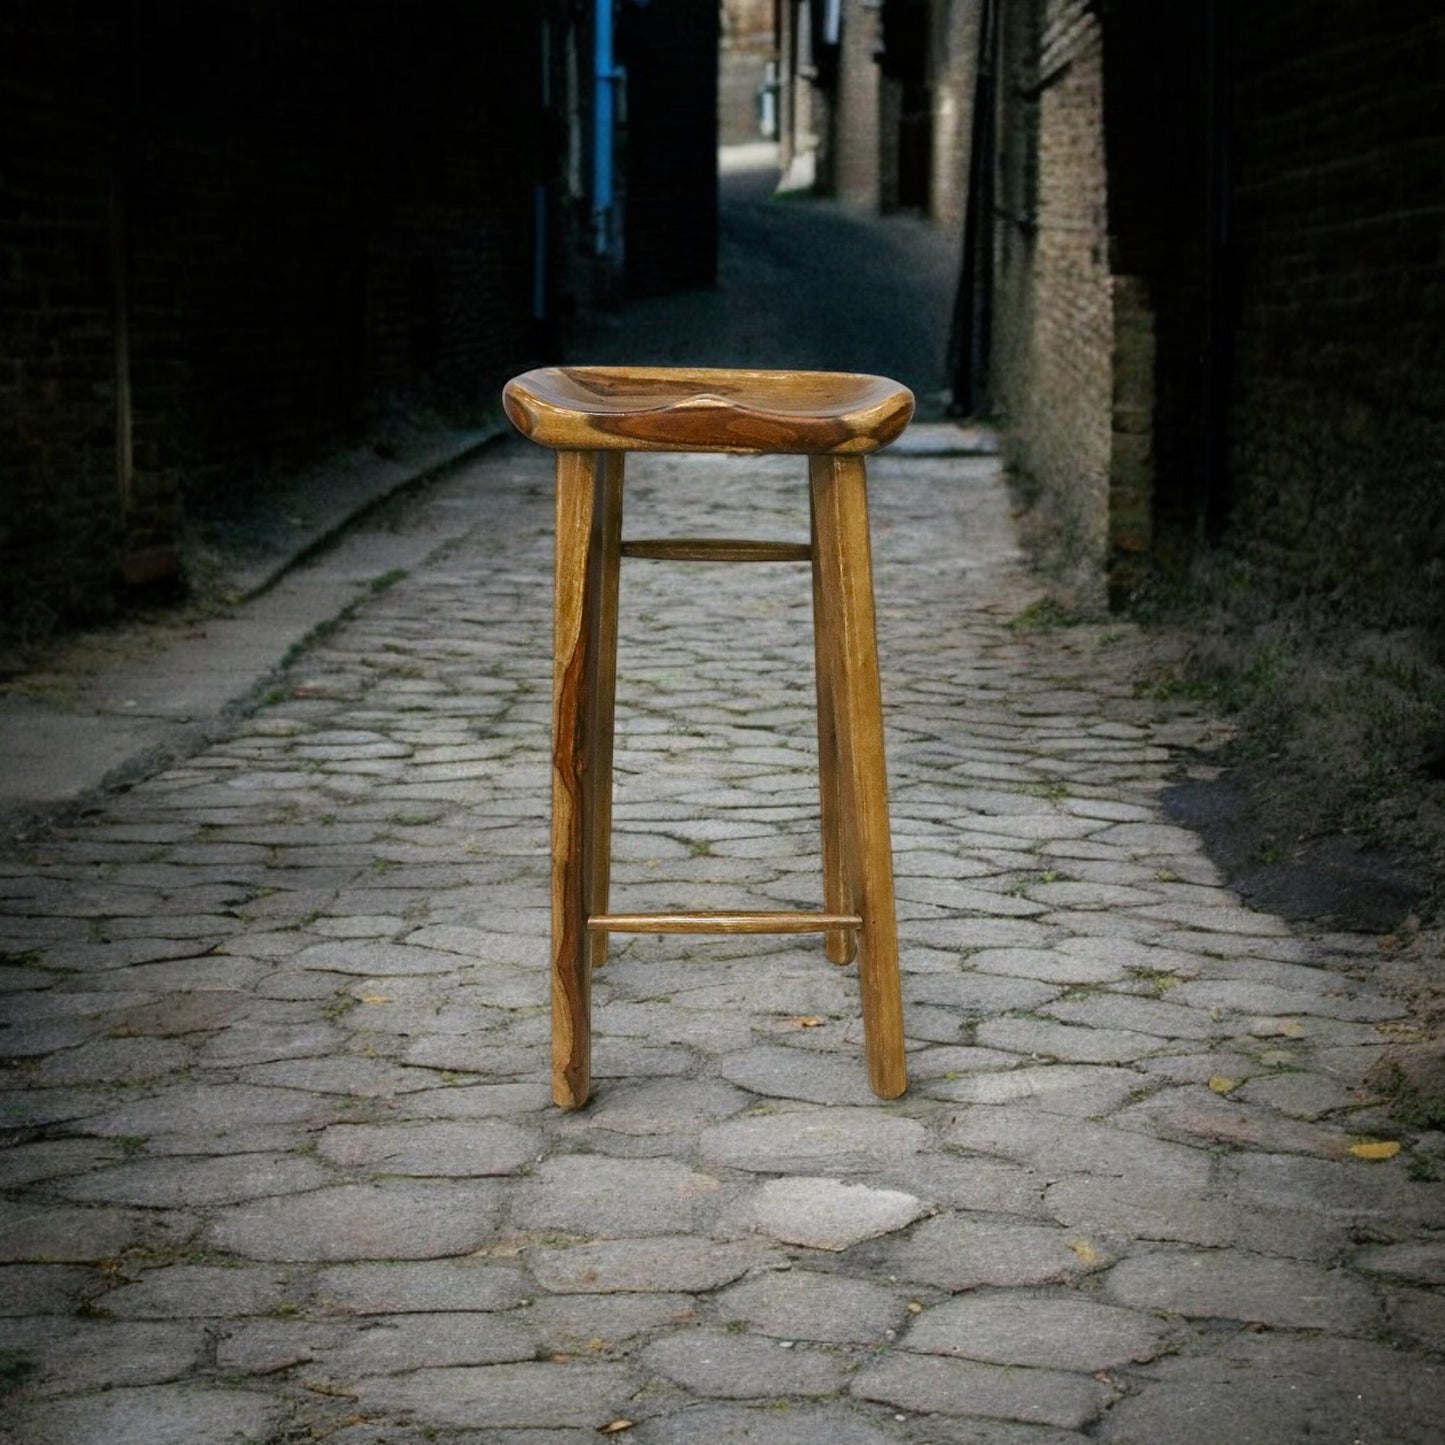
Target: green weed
1157,981
1045,615
15,1367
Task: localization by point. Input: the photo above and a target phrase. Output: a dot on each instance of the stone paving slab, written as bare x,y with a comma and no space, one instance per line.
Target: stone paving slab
282,1163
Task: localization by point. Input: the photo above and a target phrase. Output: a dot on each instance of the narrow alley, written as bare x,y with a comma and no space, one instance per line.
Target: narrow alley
283,1165
801,283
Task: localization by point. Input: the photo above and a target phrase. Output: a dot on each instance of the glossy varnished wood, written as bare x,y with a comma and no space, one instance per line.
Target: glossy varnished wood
591,416
606,556
841,945
845,576
706,409
572,635
717,922
717,549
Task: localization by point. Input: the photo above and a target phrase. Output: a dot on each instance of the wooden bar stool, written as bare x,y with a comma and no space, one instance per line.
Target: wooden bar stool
592,416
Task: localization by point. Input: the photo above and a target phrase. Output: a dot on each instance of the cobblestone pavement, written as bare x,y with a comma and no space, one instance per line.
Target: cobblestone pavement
284,1166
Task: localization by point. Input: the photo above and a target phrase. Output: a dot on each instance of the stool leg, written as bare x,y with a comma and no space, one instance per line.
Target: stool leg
602,690
841,944
840,501
578,584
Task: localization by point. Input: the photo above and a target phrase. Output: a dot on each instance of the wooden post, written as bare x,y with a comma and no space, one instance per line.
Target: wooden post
840,501
574,667
602,686
841,945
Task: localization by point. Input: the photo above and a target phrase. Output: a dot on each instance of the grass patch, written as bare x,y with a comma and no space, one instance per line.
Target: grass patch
338,1006
1052,791
1341,725
1157,981
1021,885
1048,614
15,1368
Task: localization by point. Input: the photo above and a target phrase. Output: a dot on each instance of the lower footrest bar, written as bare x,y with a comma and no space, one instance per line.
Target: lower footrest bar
717,549
722,922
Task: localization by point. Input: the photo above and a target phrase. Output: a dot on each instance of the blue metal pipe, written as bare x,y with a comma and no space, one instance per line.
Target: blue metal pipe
603,125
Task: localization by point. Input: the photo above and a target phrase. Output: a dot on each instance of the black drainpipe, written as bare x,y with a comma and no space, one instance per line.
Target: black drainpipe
1219,281
973,305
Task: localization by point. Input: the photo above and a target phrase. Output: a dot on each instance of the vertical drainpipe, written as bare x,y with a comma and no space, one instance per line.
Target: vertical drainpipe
541,242
120,304
971,342
119,258
603,123
1218,277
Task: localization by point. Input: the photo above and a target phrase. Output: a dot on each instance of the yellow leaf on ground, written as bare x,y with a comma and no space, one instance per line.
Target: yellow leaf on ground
615,1427
1084,1250
1220,1085
1375,1148
375,998
808,1021
1407,1032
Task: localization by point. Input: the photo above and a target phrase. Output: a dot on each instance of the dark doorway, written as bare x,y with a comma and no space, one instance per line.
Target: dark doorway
905,61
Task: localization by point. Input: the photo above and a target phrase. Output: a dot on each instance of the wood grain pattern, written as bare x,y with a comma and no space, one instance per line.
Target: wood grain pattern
592,416
845,588
716,549
604,557
840,946
719,922
706,409
572,640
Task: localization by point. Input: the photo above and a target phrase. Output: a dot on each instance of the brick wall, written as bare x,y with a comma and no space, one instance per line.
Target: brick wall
1133,364
365,215
1337,412
1162,168
288,214
1105,363
1054,333
58,439
1157,69
1220,286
